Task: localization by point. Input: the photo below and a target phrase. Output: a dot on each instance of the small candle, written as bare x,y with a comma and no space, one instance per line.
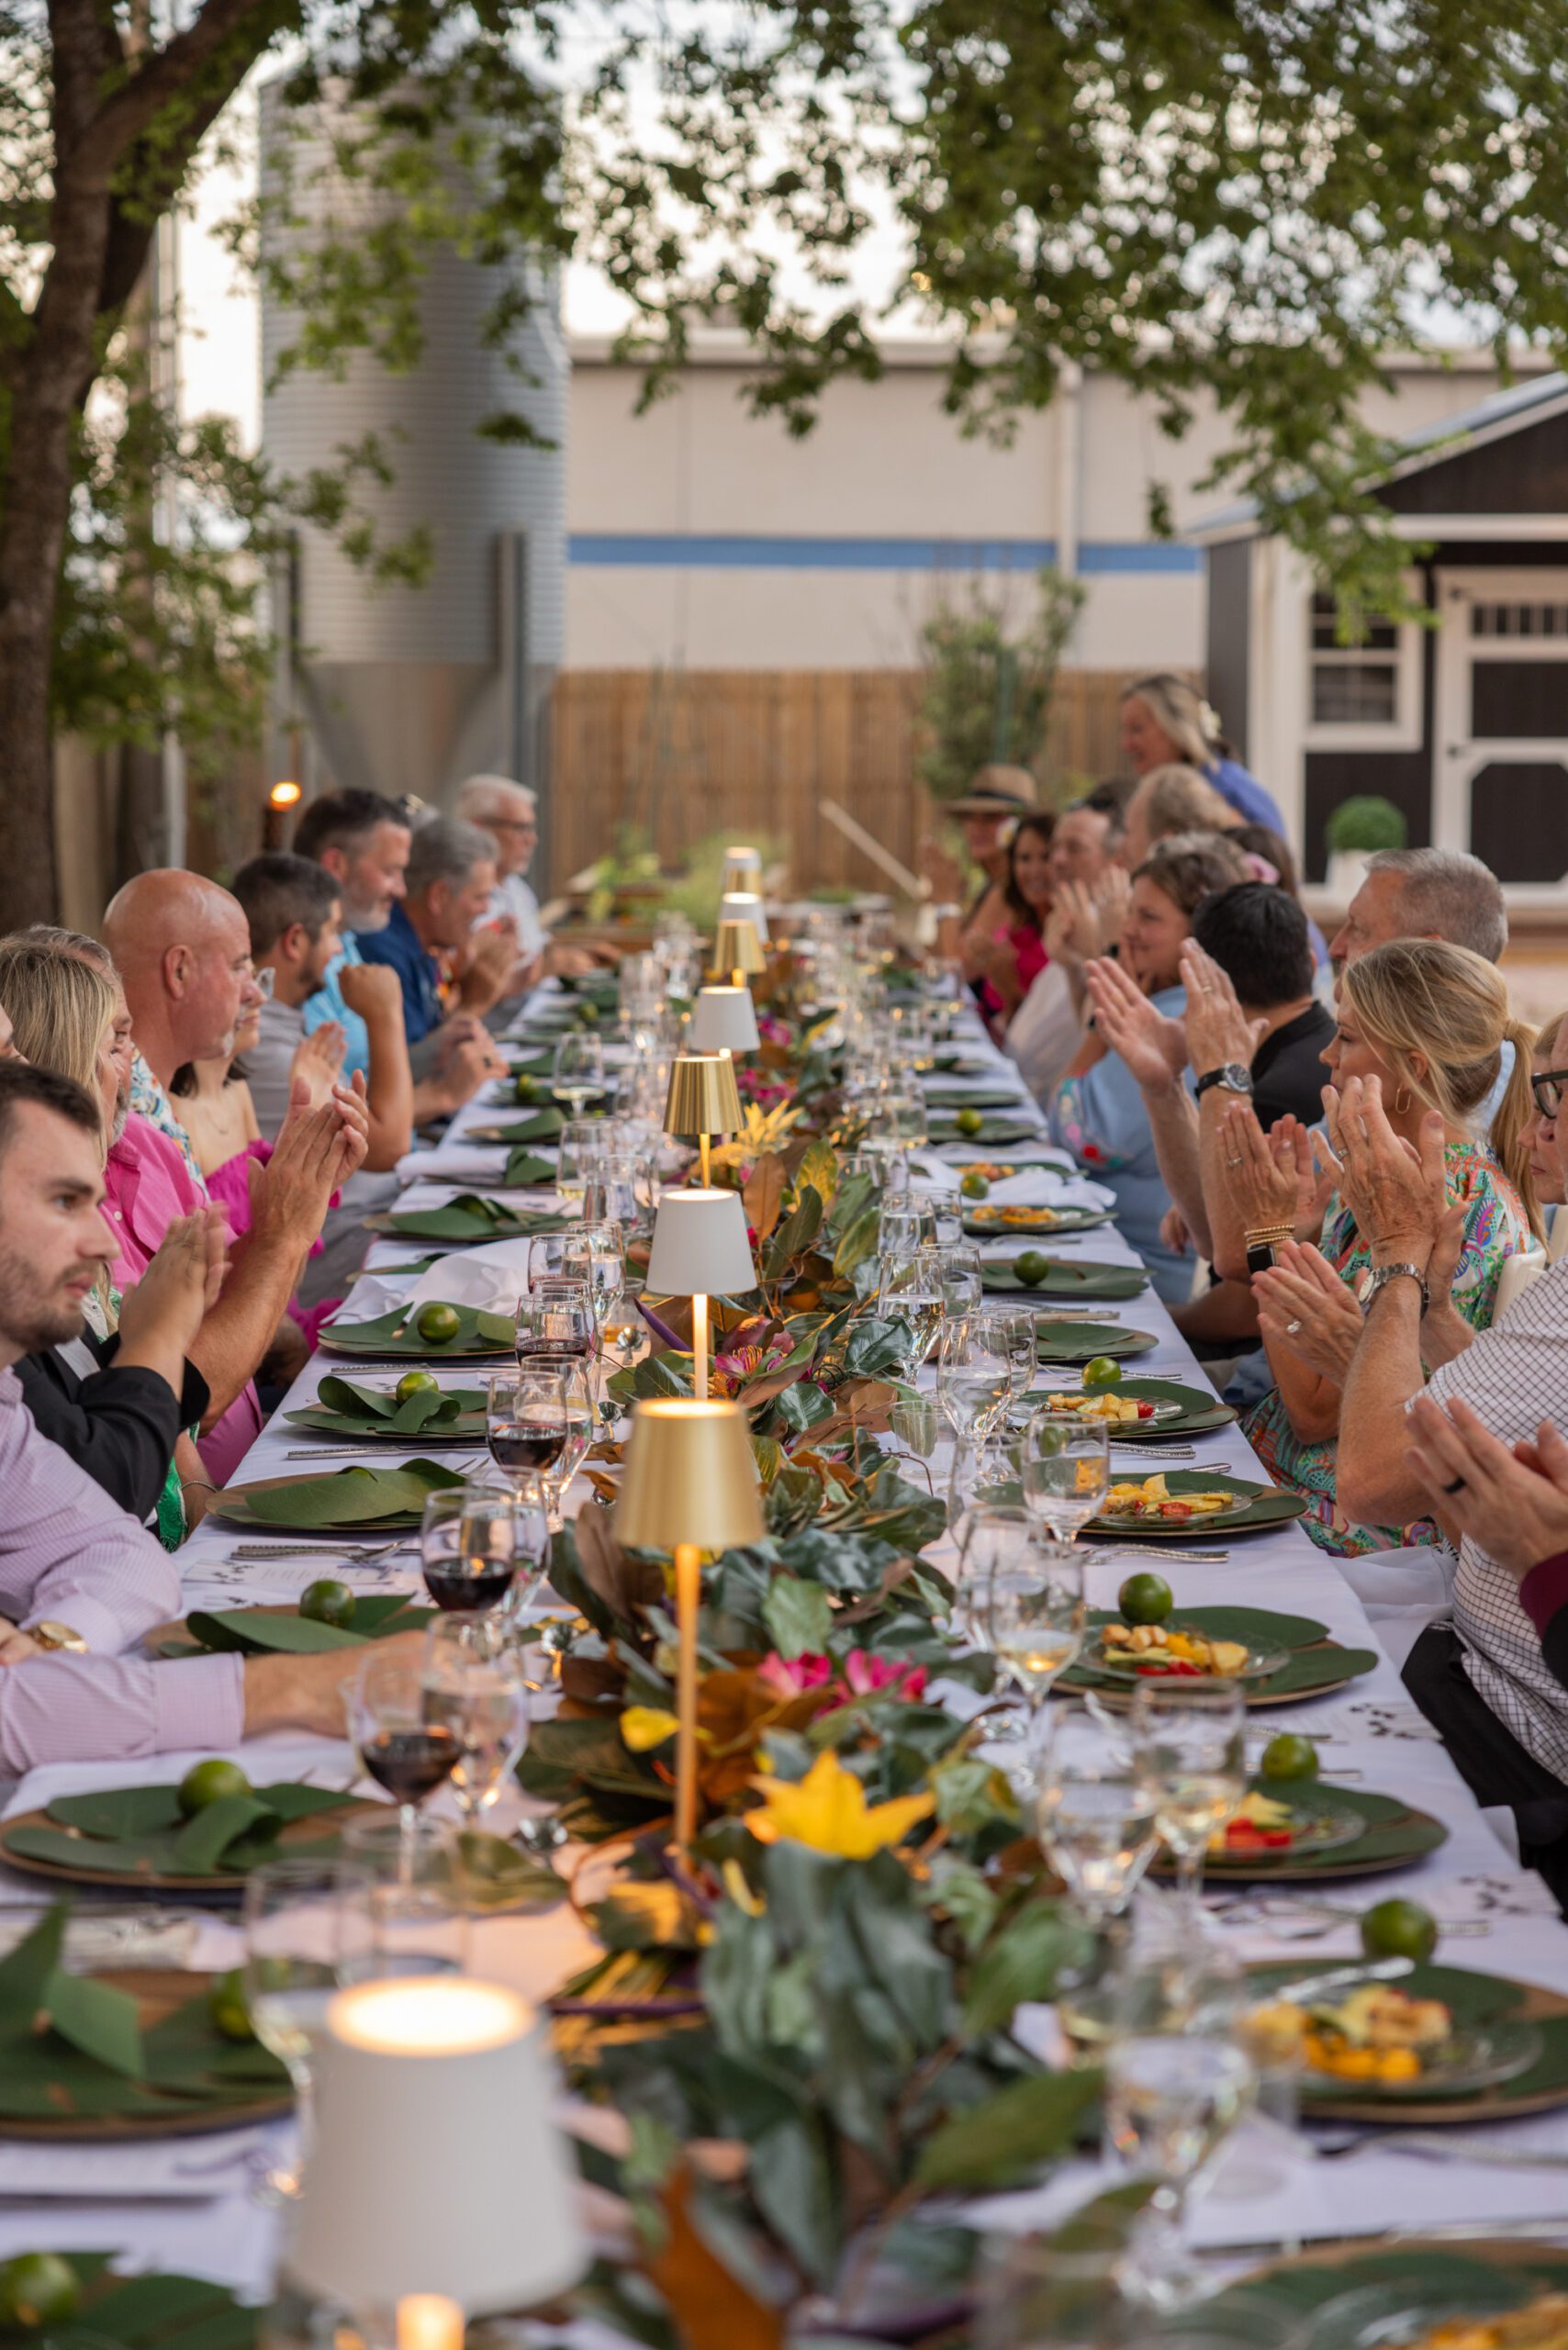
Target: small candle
428,2321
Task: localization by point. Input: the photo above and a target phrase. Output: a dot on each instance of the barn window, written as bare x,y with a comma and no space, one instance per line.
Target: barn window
1364,695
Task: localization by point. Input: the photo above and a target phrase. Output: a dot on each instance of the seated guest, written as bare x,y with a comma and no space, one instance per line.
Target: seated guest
431,929
1098,1113
1089,883
80,1581
1479,1675
1166,721
1249,950
293,911
510,813
1018,955
986,815
118,1396
1269,855
1423,893
1172,800
185,989
1427,1023
1516,1502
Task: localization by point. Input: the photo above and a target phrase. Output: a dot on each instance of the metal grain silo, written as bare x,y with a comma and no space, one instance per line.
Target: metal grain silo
409,689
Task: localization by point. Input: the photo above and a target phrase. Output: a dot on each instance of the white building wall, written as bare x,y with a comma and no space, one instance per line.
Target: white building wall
701,537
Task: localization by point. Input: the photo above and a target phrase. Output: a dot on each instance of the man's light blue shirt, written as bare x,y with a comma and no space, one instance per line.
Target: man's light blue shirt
326,1003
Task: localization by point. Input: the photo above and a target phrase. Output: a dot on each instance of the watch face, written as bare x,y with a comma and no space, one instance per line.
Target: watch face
1238,1076
1366,1285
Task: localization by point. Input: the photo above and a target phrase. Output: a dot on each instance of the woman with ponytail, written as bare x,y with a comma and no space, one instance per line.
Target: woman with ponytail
1430,1020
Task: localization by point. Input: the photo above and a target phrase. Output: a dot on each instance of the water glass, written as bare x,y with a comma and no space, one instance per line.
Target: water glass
1012,1332
292,1921
1191,1747
905,1221
1171,2099
1096,1814
963,1291
1033,1615
595,1254
578,1075
578,1157
1065,1472
403,1901
972,1378
909,1289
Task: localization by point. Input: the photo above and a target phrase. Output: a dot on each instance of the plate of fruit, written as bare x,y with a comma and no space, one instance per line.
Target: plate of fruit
1178,1500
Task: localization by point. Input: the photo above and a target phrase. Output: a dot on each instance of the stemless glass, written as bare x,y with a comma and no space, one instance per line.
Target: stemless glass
579,1076
962,1289
905,1221
1064,1470
1096,1815
595,1254
483,1700
972,1380
910,1291
1012,1332
577,1158
1034,1617
1191,1749
400,1750
292,1922
404,1903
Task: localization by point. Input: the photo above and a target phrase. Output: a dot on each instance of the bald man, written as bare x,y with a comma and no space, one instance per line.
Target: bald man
182,950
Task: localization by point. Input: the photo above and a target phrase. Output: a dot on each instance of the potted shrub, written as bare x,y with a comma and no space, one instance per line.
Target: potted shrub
1356,830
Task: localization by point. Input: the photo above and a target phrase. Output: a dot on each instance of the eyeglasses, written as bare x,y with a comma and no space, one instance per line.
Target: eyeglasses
1548,1090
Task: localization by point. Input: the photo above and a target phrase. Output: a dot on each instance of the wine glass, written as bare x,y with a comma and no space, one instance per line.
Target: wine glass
1012,1333
577,1156
292,1924
540,1417
905,1223
482,1699
595,1254
555,1317
477,1539
1191,1748
1064,1470
404,1906
400,1750
1095,1814
1032,1614
578,1077
910,1291
973,1382
962,1288
1171,2097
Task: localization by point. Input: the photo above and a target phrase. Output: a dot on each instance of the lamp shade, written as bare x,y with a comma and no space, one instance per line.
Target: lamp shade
744,905
699,1247
737,948
724,1020
743,869
702,1097
690,1477
434,2166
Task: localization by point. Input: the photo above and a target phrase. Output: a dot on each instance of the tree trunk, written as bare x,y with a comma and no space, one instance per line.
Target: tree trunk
29,888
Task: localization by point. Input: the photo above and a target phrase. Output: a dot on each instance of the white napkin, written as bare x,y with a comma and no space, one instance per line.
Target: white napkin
455,1162
494,1278
190,2169
1043,1187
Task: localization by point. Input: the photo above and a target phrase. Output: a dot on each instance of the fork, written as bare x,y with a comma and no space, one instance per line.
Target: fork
1275,1909
1442,2150
362,1553
1152,1551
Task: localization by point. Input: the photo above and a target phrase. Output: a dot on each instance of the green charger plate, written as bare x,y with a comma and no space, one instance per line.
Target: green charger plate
1060,1220
1316,1665
969,1097
1078,1342
393,1335
1065,1277
341,1501
1369,2299
1390,1835
1264,1506
1200,1409
467,1222
1476,2000
943,1131
405,1424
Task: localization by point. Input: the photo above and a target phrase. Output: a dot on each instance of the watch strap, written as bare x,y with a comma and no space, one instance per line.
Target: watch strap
1230,1074
1382,1275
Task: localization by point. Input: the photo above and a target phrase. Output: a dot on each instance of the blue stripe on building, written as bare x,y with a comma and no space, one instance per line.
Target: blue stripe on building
699,551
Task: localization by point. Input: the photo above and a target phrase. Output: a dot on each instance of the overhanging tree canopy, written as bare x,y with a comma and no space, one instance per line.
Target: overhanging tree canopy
1257,203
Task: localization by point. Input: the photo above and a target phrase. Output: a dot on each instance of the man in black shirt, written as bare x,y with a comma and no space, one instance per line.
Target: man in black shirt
1260,939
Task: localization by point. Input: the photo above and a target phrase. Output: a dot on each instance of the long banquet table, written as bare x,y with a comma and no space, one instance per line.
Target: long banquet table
190,2206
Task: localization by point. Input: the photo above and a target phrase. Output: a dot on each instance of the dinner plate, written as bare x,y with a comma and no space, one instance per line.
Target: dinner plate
237,2082
1486,2008
1078,1342
1041,1222
1182,1411
231,1505
1382,1833
1257,1509
34,1842
1373,2299
1065,1278
1315,1665
393,1335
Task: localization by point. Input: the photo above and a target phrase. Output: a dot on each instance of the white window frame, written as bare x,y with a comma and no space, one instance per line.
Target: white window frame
1402,732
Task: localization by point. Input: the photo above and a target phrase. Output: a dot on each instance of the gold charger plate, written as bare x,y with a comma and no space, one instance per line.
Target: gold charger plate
312,1829
157,1992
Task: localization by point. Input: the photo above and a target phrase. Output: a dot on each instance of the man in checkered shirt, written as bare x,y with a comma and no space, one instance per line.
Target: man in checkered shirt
1481,1678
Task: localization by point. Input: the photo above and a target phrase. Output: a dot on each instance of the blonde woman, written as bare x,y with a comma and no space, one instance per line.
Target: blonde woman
1166,722
1429,1022
119,1398
1172,799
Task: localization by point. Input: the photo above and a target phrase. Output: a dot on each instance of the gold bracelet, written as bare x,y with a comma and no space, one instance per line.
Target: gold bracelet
1270,1236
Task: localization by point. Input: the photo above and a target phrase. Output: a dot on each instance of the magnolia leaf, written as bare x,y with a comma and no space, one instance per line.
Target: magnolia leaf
764,1195
25,1970
800,1616
206,1835
1008,2136
712,2308
255,1631
818,1168
803,1404
157,2312
857,1242
96,2018
355,1496
1021,1964
526,1167
119,1811
340,1394
796,1234
770,1459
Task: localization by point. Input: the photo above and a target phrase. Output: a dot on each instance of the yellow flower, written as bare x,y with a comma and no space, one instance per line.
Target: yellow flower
828,1811
740,1891
642,1727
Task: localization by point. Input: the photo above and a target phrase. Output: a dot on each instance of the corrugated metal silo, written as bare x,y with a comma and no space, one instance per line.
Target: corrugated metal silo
409,689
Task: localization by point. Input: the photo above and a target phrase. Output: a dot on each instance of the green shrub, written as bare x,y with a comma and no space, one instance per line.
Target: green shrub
1361,825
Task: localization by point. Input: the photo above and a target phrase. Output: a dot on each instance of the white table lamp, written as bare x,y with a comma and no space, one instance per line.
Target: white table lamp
435,2167
744,905
724,1020
700,1250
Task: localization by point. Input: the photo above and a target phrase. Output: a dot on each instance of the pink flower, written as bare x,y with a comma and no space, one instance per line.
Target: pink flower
881,1676
793,1677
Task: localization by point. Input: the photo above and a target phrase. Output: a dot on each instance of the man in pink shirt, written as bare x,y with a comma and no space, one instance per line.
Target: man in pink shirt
182,949
80,1581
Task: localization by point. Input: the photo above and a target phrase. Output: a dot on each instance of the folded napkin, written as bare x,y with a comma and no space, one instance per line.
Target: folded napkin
1043,1187
453,1162
182,2169
493,1276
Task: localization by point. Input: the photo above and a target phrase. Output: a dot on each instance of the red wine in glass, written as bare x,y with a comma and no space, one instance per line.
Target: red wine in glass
528,1444
468,1586
410,1763
577,1345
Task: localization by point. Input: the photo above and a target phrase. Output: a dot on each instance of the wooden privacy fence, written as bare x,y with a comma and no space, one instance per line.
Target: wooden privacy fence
677,754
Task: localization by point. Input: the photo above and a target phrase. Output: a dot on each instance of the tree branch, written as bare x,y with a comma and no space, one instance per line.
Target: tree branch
170,70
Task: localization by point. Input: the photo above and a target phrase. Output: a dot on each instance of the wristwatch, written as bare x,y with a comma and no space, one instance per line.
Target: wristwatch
49,1635
1372,1281
1230,1074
